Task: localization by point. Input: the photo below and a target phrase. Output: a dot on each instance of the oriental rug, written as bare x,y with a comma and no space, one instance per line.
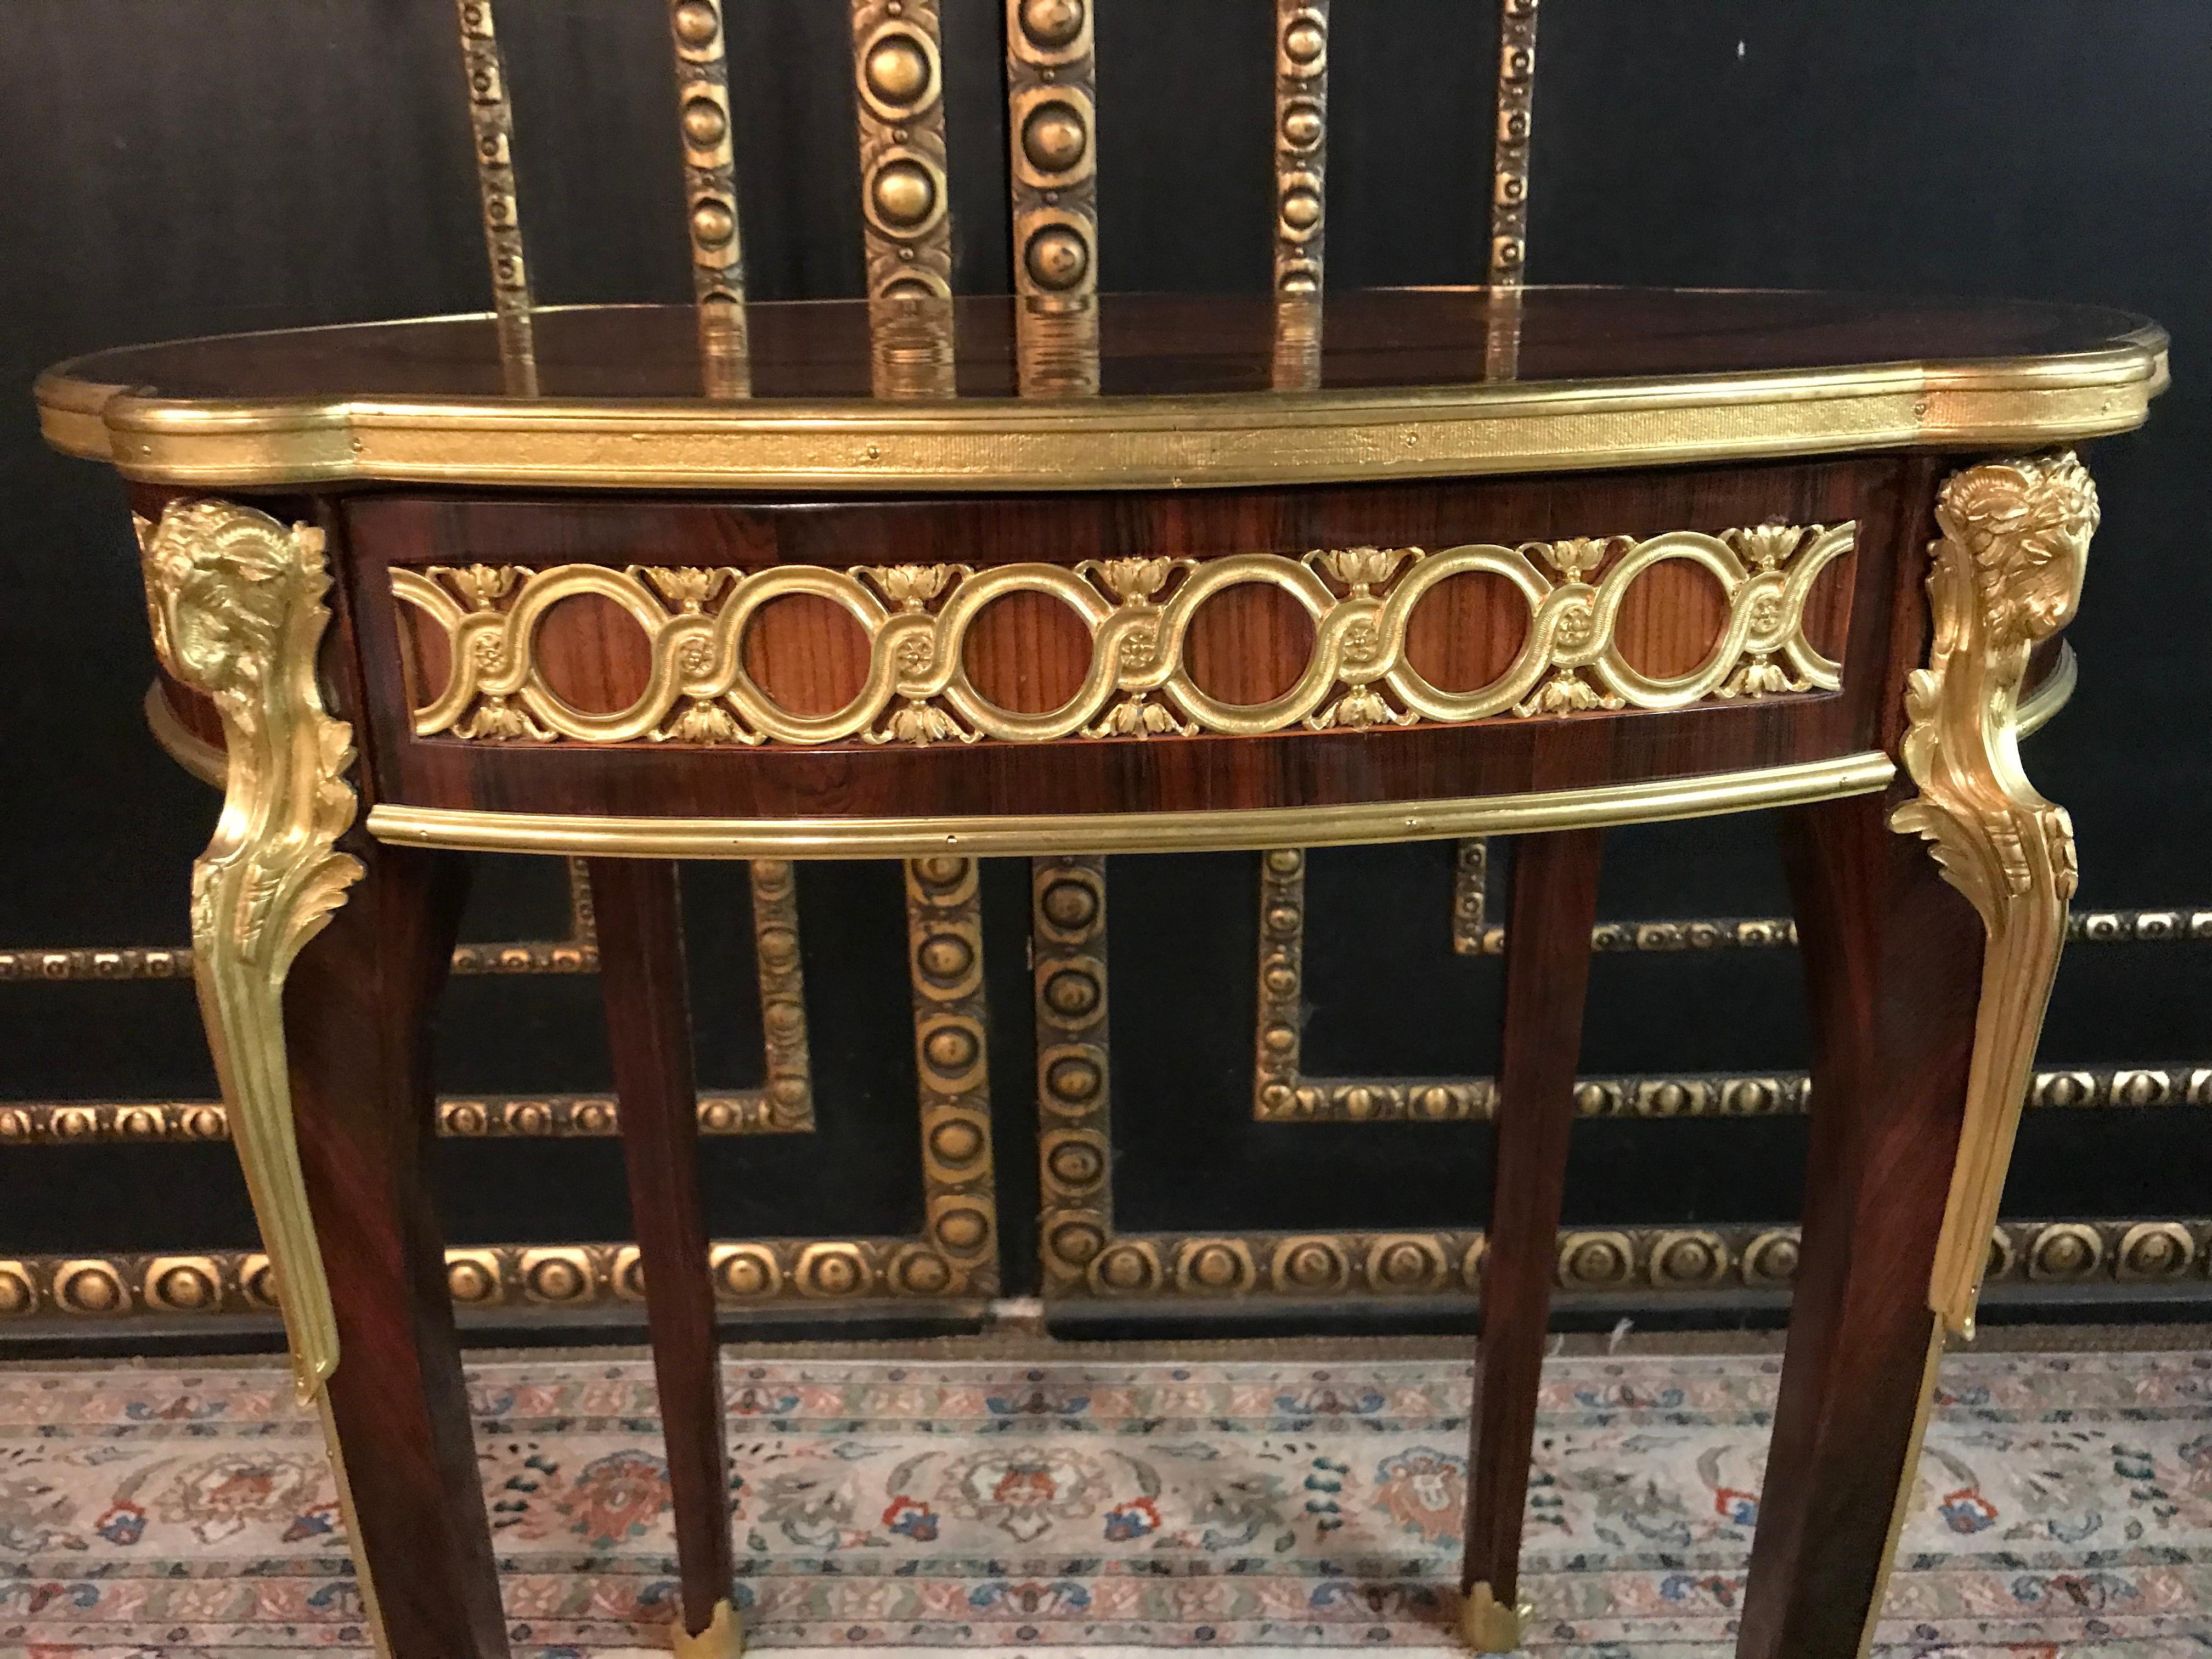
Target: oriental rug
2064,1506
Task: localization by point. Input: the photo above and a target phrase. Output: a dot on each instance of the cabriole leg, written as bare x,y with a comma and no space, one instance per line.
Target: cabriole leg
1925,1030
1891,956
330,1134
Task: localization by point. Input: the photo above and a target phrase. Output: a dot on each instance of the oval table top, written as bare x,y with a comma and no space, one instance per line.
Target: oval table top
1408,382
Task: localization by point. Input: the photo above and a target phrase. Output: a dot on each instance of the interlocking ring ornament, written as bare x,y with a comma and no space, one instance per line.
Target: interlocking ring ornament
1139,613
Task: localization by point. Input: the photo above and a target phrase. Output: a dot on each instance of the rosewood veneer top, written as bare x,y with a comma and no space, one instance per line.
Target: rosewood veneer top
1411,382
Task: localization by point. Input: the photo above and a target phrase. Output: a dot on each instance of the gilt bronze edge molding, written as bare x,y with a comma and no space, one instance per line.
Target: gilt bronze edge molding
1116,443
88,1287
1014,835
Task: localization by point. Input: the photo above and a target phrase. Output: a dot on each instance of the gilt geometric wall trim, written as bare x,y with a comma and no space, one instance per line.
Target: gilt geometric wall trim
1083,1254
954,1256
1282,1094
554,1277
578,953
1351,1100
461,1117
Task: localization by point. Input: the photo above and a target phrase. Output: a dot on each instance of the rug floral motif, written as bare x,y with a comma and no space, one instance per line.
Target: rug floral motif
2064,1505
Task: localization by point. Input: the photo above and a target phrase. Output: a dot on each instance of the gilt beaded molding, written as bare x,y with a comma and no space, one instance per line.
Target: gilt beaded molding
898,78
1515,121
699,38
1139,613
1354,1100
556,1278
491,122
1052,128
1301,190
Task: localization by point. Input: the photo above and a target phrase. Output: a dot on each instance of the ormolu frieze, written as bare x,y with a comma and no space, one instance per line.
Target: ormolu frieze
1138,613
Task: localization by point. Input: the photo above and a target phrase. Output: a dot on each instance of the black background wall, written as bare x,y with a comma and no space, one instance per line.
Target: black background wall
171,169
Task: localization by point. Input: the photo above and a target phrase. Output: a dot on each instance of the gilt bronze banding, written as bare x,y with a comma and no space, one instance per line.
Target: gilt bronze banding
1021,836
1121,443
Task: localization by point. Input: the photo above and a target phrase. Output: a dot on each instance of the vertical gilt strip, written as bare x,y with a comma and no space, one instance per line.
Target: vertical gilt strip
789,1085
958,1254
1075,1142
1508,188
898,83
710,195
1300,160
1051,88
492,119
1516,92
